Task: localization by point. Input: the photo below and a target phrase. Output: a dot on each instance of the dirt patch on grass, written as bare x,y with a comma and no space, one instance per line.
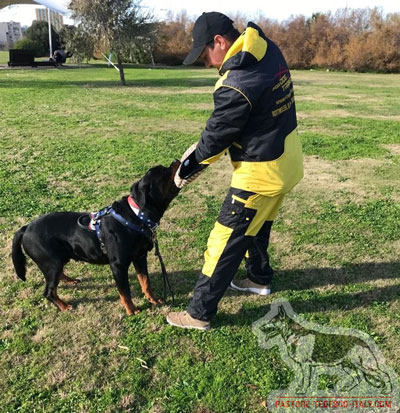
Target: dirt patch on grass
338,100
143,125
337,113
80,329
160,125
171,91
353,179
394,148
201,106
216,179
341,113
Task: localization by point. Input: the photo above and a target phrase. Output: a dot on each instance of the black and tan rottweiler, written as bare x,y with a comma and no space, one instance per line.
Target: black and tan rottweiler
124,237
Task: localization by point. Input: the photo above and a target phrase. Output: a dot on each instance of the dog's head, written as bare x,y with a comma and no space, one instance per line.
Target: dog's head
154,192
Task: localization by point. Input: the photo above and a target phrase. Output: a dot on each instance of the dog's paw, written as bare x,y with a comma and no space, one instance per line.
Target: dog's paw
156,301
133,312
66,307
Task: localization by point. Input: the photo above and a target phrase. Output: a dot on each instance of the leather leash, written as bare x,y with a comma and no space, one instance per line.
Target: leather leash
164,271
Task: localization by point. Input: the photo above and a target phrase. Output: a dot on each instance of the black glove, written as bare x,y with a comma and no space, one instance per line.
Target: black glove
190,169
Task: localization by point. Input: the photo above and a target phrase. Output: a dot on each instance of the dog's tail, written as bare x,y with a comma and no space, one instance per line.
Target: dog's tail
18,257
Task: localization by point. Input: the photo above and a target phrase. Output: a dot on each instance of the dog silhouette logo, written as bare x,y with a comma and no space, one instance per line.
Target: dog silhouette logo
359,377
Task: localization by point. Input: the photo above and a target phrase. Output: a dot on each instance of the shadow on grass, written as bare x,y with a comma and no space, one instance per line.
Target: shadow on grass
347,274
55,83
338,301
295,285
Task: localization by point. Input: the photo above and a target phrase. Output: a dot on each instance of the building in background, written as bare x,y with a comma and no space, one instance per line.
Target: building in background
56,19
10,32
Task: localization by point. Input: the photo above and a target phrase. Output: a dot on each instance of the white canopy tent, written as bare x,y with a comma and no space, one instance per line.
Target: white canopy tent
60,6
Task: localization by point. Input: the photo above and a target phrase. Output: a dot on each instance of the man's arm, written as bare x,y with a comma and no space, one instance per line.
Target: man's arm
231,113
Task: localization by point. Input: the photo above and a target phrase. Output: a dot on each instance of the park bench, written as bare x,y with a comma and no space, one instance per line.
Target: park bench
26,58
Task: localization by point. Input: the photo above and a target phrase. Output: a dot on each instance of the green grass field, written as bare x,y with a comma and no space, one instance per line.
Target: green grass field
73,139
3,57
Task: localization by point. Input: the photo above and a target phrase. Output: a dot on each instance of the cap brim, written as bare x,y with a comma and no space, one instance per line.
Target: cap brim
193,55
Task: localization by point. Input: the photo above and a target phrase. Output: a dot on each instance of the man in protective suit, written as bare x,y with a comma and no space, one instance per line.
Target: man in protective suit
254,118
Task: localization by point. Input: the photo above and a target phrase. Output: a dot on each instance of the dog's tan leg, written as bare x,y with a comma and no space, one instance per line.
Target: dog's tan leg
147,290
128,304
60,303
69,280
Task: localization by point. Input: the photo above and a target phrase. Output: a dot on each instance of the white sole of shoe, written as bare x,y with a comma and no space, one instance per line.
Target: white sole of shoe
188,327
259,291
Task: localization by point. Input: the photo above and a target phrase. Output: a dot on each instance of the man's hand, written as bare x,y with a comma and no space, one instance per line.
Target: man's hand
188,164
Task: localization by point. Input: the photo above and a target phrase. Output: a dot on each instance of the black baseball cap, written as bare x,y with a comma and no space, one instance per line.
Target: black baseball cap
205,28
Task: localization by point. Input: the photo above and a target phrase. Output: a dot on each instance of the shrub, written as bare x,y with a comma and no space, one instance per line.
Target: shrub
350,39
28,44
39,32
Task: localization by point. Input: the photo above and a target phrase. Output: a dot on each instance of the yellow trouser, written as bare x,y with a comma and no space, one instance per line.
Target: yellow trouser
239,217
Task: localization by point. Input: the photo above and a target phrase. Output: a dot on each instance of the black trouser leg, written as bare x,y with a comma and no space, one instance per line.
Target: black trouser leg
209,290
257,264
227,246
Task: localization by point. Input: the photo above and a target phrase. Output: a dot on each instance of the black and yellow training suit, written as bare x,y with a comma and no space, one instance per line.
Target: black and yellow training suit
254,118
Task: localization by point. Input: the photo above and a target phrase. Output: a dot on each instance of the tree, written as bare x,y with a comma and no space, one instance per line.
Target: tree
295,43
174,38
78,44
39,33
118,25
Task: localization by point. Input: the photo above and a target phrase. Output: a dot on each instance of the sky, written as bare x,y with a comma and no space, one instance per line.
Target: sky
271,9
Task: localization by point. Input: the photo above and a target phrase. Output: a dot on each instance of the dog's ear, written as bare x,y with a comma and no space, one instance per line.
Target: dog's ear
134,188
139,193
